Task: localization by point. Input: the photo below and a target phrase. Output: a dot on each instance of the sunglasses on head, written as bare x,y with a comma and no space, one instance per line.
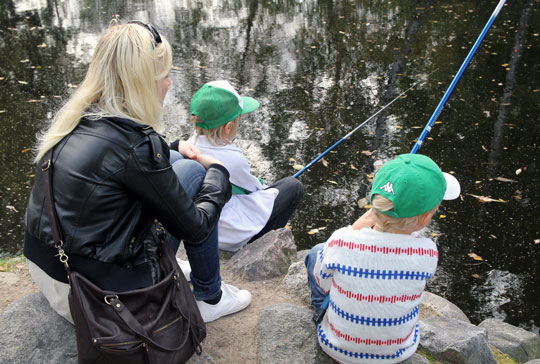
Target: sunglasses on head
151,29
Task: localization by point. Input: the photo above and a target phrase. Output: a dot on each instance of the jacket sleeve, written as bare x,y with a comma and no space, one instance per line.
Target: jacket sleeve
150,177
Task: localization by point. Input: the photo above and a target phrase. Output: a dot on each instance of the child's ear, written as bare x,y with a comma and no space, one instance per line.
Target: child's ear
424,218
228,127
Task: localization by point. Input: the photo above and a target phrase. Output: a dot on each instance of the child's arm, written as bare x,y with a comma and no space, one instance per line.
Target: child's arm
364,220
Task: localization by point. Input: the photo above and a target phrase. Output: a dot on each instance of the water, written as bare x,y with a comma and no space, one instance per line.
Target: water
319,69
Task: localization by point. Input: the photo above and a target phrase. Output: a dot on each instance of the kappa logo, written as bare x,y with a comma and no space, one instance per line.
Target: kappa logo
389,188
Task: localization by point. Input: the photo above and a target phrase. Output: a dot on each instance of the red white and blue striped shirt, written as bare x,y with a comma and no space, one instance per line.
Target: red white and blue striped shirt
375,281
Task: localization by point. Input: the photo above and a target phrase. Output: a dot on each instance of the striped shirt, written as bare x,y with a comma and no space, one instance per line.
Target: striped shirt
375,281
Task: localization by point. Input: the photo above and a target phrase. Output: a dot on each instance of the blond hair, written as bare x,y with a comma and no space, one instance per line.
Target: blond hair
122,80
215,136
388,223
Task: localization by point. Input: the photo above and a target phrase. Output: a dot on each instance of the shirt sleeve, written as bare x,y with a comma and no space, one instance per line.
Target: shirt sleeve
323,272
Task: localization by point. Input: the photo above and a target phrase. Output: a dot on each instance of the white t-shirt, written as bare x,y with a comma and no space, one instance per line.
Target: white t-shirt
244,215
376,281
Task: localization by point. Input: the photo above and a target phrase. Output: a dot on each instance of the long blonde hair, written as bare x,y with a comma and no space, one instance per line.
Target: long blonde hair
122,80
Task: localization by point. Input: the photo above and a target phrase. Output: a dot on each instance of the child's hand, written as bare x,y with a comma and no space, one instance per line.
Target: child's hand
366,219
206,160
188,150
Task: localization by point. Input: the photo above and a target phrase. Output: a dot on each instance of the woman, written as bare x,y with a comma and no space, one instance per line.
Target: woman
113,177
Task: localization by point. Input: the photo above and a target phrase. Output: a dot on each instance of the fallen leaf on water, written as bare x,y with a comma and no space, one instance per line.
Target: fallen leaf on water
502,179
24,60
537,241
334,182
298,167
42,45
33,101
477,182
362,202
292,160
1,78
504,65
475,256
353,167
366,152
475,276
484,148
438,122
11,208
324,162
485,199
369,175
2,111
518,171
442,216
25,150
23,82
316,230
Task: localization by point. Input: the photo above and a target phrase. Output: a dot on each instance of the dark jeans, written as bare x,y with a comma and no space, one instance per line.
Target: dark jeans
286,202
203,257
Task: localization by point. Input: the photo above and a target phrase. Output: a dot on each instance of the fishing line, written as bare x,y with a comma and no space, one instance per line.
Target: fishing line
354,130
456,79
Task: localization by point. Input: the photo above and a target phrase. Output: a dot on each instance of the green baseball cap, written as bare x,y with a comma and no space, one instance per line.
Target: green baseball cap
217,103
414,184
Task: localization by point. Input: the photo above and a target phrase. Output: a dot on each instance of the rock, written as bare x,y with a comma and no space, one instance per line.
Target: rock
267,257
455,341
535,361
32,332
301,255
521,345
295,282
416,359
286,334
438,306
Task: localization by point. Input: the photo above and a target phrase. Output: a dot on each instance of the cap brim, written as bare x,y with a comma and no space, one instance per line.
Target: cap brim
453,188
250,104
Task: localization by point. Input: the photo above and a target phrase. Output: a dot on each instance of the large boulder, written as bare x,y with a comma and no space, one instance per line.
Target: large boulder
455,341
31,332
520,344
416,359
433,305
286,334
267,257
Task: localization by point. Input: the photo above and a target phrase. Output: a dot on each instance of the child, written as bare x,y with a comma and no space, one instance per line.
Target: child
375,270
254,208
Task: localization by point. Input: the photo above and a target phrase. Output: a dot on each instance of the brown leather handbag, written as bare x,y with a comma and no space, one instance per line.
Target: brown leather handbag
156,324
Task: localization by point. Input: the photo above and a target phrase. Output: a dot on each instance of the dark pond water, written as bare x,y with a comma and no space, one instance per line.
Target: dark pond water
320,68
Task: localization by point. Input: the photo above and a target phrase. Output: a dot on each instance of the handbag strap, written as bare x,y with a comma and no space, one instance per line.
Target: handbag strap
56,229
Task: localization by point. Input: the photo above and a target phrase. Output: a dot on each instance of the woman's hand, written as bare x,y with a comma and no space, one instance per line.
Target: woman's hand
206,160
188,150
366,219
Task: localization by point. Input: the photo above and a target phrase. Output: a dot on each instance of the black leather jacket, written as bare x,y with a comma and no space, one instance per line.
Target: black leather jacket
111,179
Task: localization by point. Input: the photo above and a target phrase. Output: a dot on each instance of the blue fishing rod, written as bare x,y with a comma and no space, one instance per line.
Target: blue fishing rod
454,82
352,132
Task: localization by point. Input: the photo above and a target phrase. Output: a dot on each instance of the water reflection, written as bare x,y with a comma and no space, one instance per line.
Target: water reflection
320,68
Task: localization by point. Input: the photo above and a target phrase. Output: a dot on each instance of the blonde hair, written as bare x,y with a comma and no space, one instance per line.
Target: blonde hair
122,80
388,223
215,136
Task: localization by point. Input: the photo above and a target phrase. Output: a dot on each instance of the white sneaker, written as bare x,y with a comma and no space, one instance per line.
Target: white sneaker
186,268
232,300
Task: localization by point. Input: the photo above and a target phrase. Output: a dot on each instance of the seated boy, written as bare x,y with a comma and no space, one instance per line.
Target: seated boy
374,272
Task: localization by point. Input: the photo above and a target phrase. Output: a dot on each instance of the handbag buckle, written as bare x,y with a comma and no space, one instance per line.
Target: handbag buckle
109,298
